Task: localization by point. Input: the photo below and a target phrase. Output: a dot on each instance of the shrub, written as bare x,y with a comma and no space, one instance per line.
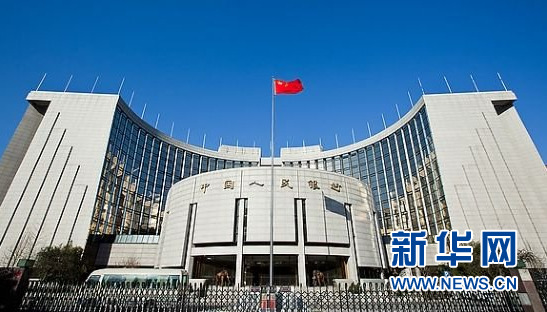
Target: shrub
60,263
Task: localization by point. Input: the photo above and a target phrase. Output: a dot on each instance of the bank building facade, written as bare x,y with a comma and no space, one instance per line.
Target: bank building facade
84,168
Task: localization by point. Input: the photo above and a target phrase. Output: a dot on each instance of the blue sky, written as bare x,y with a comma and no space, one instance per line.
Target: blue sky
207,65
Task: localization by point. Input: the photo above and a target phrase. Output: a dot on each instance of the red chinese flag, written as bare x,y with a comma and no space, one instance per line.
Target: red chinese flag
288,87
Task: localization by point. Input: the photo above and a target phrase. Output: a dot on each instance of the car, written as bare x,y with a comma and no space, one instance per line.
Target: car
138,278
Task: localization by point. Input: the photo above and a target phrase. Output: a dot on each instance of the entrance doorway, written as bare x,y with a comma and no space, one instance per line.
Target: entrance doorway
322,270
217,270
256,270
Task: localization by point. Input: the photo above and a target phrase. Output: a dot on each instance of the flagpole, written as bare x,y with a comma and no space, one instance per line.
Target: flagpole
272,148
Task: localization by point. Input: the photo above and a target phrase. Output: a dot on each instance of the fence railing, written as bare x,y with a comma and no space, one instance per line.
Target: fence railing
374,297
540,281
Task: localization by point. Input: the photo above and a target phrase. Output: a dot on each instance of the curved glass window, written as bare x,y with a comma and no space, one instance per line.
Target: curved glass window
138,171
403,175
140,168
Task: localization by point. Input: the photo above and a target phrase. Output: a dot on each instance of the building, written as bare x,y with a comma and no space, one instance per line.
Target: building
322,221
84,168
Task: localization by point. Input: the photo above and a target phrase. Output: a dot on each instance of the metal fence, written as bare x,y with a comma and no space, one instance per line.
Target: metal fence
540,280
374,297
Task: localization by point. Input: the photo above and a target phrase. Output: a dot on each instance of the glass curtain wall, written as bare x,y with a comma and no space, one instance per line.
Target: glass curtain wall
403,174
140,168
138,171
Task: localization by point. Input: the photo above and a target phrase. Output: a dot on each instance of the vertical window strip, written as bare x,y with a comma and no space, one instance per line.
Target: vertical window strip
432,226
432,181
411,199
387,190
236,219
153,193
137,187
377,195
245,213
419,182
304,220
393,199
295,221
164,190
131,197
408,215
121,189
146,188
189,221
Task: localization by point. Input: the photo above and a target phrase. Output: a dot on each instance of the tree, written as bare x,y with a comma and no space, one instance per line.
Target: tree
474,268
529,258
15,253
60,263
131,262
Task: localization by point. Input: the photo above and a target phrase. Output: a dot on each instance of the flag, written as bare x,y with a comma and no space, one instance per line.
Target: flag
288,87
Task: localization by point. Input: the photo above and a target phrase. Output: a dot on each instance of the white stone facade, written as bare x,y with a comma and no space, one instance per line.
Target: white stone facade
339,218
493,175
50,199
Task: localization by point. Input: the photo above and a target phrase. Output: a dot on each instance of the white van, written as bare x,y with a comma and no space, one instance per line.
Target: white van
137,277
